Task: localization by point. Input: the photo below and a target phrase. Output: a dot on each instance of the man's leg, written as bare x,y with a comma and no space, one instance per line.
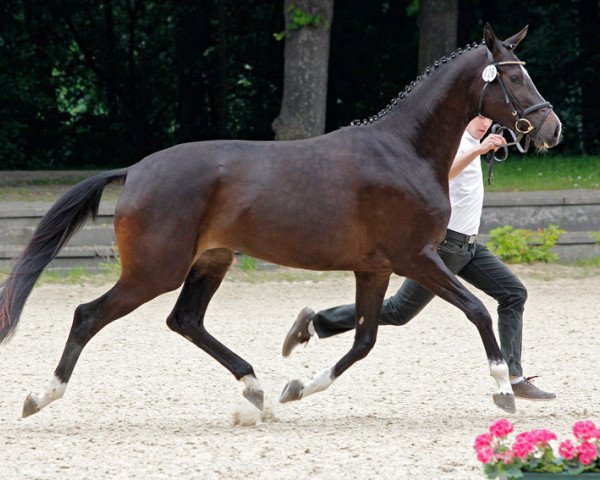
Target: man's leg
489,274
399,309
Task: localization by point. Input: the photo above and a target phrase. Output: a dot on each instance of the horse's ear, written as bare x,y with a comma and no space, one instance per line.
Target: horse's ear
512,42
489,37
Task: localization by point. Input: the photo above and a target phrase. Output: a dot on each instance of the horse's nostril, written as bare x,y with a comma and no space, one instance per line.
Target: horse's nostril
556,132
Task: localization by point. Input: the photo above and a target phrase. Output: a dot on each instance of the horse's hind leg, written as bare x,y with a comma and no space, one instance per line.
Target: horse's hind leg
370,290
88,320
436,277
187,318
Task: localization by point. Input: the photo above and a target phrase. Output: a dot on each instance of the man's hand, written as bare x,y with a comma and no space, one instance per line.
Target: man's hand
492,142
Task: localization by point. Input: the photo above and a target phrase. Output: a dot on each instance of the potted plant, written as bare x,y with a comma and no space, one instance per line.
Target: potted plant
531,454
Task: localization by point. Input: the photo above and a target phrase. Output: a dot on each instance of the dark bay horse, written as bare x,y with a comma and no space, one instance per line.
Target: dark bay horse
371,198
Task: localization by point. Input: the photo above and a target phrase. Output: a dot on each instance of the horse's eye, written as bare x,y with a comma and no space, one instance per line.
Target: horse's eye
514,78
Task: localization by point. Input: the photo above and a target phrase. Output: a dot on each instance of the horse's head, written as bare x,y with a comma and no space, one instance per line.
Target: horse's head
509,96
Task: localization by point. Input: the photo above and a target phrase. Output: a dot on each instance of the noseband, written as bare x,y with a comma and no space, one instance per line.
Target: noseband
522,125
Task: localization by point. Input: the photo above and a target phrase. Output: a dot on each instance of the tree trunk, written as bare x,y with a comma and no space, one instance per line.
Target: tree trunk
589,66
306,53
110,57
438,21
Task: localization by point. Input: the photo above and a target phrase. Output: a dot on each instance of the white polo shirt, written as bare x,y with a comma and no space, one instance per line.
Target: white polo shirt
466,192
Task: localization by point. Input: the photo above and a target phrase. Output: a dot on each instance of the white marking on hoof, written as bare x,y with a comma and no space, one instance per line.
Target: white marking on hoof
499,370
251,382
361,320
321,382
34,403
253,391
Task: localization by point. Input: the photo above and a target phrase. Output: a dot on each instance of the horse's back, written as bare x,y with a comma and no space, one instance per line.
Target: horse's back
316,203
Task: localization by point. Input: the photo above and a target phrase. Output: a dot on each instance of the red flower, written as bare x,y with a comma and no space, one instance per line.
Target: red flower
584,429
485,439
485,454
586,452
567,449
523,447
543,436
501,428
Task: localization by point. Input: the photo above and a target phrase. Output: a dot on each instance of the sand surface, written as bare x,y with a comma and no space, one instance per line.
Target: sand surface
145,403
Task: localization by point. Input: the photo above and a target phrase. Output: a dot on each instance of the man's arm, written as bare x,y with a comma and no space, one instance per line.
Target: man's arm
462,159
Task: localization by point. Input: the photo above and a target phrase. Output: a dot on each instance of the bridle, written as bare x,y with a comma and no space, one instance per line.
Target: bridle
522,125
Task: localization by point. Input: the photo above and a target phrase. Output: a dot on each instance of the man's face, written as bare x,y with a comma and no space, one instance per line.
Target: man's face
478,126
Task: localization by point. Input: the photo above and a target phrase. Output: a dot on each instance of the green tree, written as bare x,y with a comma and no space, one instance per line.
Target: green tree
101,84
438,20
304,99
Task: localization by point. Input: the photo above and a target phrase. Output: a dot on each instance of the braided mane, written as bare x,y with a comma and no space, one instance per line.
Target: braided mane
408,89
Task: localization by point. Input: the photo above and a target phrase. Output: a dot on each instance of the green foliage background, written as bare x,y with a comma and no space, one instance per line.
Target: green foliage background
102,84
519,245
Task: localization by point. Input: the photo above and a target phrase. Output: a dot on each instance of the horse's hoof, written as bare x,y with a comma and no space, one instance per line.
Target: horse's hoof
292,391
30,406
505,401
255,397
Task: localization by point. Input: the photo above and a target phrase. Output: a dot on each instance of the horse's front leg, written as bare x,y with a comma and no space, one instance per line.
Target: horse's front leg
435,276
370,290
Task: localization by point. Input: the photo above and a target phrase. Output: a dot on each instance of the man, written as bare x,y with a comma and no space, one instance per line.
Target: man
465,257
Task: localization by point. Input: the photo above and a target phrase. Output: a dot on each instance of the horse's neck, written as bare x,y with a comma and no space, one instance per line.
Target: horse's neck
434,115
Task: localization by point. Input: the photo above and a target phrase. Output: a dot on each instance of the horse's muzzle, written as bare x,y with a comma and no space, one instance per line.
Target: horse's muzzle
549,134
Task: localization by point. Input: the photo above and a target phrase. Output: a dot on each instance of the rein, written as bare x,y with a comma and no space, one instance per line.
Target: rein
492,155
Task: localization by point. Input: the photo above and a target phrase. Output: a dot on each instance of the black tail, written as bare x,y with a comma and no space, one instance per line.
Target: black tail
59,224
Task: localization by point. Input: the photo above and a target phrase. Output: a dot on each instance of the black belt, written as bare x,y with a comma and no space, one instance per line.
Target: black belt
470,239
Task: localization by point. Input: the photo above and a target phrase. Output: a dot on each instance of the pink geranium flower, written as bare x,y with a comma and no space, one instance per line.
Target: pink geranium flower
542,436
524,436
485,454
485,439
537,436
584,429
533,451
567,449
586,453
501,428
523,447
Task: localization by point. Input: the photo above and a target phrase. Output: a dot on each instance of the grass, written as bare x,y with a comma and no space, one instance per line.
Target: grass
532,172
73,276
110,270
48,192
109,275
593,262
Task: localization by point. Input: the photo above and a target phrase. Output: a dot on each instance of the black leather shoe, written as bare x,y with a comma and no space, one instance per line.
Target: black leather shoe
299,332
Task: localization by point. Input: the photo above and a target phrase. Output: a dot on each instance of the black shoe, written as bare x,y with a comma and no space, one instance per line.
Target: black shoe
299,332
525,389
